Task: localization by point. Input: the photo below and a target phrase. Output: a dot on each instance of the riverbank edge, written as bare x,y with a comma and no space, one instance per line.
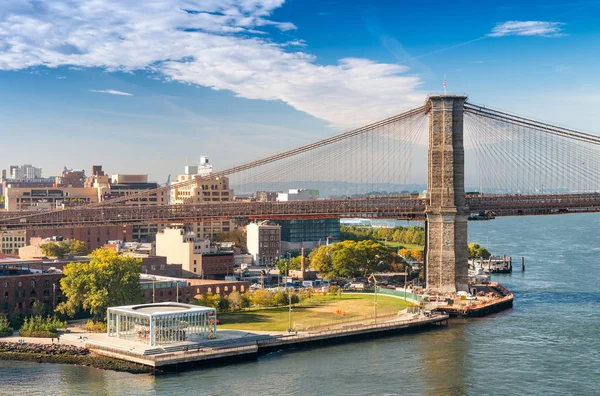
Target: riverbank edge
91,360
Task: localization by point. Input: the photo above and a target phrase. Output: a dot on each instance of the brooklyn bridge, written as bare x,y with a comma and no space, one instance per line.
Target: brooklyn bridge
516,166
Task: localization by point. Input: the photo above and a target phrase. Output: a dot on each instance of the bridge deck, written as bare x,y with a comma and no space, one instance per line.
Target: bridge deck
406,208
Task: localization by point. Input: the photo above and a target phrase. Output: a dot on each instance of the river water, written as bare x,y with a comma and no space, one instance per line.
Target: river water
548,344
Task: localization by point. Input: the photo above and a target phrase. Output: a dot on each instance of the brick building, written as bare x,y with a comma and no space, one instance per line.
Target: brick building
19,292
189,289
94,237
219,264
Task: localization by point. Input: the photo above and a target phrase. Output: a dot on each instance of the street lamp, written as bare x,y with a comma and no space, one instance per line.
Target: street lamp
289,297
374,297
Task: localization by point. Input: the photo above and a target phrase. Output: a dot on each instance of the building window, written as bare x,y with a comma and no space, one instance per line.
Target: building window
19,284
194,269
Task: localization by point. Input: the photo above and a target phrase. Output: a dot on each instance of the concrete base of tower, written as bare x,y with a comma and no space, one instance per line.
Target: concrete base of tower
447,262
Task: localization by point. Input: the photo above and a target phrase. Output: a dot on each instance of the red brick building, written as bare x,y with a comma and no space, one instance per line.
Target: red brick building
94,237
164,292
215,265
19,292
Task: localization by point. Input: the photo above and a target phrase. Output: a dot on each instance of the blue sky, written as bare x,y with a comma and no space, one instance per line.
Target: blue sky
151,89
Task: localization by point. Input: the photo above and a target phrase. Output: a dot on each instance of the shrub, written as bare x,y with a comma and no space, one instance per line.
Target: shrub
5,329
37,326
16,319
262,298
280,298
95,327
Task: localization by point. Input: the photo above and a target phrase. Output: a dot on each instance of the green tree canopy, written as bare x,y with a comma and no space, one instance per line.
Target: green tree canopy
349,259
71,246
412,234
109,279
475,250
294,264
237,236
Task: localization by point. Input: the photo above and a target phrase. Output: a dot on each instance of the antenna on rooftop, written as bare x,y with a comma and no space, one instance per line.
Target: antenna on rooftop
444,84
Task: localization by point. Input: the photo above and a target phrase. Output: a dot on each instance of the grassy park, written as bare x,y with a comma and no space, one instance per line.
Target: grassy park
396,245
318,311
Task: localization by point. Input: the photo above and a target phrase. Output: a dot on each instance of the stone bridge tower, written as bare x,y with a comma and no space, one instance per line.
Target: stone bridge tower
446,255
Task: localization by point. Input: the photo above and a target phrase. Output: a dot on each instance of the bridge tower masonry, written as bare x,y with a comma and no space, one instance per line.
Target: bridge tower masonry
446,256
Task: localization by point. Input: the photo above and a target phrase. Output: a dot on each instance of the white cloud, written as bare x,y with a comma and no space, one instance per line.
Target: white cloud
222,44
527,28
111,92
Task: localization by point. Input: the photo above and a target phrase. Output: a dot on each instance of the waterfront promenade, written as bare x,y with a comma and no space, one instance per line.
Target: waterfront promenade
236,345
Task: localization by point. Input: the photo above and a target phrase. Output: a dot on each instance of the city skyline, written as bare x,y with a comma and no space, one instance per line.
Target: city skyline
241,80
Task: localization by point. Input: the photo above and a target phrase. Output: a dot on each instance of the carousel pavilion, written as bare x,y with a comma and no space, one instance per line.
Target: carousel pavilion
162,323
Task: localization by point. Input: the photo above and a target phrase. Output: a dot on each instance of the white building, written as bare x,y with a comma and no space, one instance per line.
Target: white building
180,247
264,242
298,195
26,171
209,189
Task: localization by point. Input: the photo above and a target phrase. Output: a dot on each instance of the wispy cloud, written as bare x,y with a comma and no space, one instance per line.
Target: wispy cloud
527,28
221,44
111,92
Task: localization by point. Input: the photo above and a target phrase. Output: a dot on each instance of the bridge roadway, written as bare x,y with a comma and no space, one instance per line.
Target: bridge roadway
404,208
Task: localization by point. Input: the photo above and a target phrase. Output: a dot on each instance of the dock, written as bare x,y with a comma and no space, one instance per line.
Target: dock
248,345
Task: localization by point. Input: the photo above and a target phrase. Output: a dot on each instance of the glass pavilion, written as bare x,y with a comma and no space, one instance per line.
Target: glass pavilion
162,323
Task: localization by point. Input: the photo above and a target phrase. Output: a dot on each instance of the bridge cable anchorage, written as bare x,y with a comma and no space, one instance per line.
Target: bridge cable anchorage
517,155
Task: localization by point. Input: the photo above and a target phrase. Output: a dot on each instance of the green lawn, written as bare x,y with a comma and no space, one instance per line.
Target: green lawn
409,246
315,312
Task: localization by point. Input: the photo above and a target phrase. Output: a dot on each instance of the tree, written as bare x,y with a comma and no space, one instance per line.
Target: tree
235,300
320,260
109,279
262,298
280,298
237,236
348,259
52,250
71,246
293,264
475,250
246,300
74,246
38,309
417,254
405,253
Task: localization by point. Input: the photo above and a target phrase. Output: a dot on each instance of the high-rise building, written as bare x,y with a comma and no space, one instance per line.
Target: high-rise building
27,171
122,185
22,197
308,234
210,189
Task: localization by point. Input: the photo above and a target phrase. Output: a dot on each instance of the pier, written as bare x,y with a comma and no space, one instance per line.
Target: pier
238,346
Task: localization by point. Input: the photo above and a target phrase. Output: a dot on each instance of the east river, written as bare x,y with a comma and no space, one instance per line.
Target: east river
548,344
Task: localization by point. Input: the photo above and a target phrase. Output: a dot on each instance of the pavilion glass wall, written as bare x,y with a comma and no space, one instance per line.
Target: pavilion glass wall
162,329
129,326
188,326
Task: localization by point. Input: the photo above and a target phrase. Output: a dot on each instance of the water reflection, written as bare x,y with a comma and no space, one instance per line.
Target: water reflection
445,362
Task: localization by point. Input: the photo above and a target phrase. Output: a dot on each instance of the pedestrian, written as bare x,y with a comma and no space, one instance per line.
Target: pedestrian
53,340
58,339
